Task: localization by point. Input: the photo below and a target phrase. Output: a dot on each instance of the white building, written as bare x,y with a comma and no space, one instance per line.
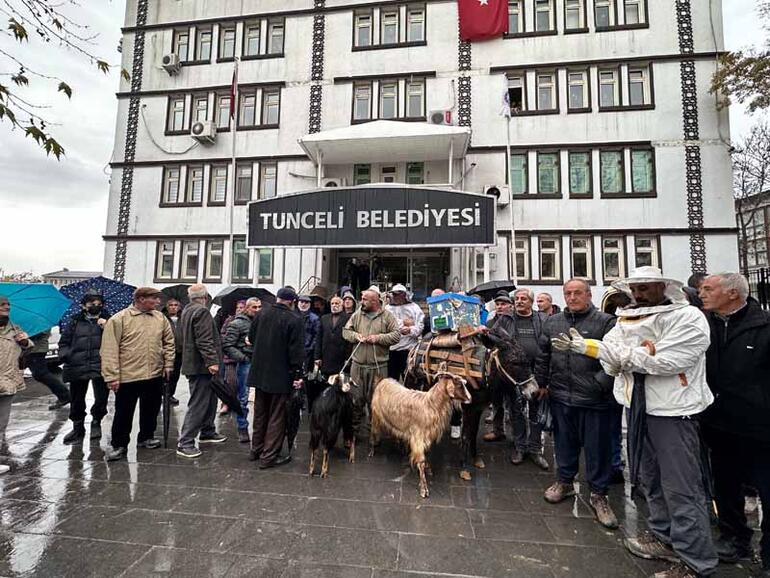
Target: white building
618,152
66,277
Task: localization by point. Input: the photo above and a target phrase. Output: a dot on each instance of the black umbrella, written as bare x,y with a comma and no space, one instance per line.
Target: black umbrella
228,297
228,394
637,429
166,412
178,292
488,290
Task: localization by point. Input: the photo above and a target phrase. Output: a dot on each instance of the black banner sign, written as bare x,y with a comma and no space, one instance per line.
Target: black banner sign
373,216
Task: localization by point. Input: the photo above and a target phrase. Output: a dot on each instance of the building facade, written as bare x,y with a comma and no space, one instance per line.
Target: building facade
66,277
615,154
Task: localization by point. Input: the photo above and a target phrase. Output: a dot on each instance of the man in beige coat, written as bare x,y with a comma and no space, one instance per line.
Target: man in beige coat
137,355
12,342
373,330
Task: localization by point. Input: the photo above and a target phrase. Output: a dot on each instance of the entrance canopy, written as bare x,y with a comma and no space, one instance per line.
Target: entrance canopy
389,140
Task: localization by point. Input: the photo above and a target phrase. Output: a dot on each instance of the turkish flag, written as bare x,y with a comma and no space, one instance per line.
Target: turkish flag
482,19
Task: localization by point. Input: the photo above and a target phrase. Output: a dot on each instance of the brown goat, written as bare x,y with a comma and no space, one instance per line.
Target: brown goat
418,418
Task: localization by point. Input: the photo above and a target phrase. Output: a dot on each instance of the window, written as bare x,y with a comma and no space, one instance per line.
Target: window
574,14
543,15
415,31
362,101
389,27
189,265
200,107
176,113
611,169
268,175
218,188
642,171
213,268
203,46
243,183
550,260
646,249
182,44
581,257
226,42
240,261
223,111
388,174
639,86
522,257
275,37
171,185
252,34
515,16
164,263
516,93
388,96
547,173
579,173
265,266
362,174
604,13
195,184
414,173
546,92
271,106
247,116
613,258
633,11
363,29
577,91
609,90
518,174
415,97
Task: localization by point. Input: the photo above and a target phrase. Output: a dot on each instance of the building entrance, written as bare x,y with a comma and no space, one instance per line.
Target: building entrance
420,270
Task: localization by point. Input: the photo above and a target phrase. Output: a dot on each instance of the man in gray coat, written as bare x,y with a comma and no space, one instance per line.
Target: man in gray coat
201,358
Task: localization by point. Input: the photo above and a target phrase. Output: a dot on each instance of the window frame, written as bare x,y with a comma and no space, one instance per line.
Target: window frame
522,18
175,43
411,165
655,250
617,92
642,12
188,188
622,192
183,260
164,202
409,83
208,253
612,14
171,113
362,85
387,10
582,20
218,98
589,252
221,36
525,275
239,199
194,109
199,34
247,26
381,96
410,12
356,174
158,276
557,260
243,94
648,89
211,202
557,177
588,153
263,169
586,82
272,24
551,16
554,91
522,76
248,277
525,168
357,15
622,257
654,176
257,272
267,92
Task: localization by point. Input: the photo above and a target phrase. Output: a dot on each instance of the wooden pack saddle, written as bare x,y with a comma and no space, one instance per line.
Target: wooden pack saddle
464,356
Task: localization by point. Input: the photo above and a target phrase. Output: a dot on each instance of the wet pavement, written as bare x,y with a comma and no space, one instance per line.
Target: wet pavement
64,511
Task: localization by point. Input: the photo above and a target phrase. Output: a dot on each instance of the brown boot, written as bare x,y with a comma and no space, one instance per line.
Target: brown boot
558,492
604,514
647,545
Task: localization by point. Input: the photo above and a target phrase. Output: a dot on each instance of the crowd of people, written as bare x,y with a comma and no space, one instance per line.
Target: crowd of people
689,366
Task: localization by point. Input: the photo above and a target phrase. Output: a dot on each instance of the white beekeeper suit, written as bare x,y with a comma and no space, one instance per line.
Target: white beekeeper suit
411,311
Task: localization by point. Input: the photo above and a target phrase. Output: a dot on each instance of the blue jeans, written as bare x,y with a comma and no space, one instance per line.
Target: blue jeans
243,394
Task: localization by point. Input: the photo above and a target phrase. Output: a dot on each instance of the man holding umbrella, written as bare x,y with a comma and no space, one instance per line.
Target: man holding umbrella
656,352
137,354
201,358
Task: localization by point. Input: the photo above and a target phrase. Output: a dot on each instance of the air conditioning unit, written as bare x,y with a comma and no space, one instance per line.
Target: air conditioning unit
440,117
204,131
171,63
332,182
501,192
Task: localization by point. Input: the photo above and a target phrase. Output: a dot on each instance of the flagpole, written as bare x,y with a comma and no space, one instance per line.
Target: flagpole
514,267
231,197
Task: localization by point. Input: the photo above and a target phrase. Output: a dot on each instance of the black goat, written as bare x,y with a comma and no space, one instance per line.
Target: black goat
332,411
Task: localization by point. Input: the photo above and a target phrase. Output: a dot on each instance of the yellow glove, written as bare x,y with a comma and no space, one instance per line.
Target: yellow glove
576,343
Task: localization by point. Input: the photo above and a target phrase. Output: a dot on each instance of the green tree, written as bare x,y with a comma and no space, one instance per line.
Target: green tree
47,25
744,76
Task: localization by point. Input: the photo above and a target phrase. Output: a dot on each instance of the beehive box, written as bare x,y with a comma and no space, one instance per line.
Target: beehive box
449,311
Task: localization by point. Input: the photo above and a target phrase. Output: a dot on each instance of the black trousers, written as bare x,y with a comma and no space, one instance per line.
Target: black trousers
397,364
737,461
148,393
40,372
78,391
269,424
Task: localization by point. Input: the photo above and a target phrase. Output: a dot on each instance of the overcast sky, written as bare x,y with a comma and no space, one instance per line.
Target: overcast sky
53,214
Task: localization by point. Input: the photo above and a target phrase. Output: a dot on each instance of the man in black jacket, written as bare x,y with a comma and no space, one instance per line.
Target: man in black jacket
331,349
581,398
277,336
201,358
79,352
236,345
737,425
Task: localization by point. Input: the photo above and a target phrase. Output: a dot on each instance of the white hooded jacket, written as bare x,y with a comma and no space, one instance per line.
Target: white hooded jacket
674,363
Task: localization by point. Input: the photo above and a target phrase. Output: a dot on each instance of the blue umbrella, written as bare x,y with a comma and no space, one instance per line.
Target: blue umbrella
117,296
35,307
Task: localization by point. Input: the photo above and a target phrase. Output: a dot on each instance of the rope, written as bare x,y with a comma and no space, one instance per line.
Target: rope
494,357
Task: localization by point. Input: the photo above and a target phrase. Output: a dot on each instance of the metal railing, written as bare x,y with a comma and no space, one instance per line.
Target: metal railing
759,285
